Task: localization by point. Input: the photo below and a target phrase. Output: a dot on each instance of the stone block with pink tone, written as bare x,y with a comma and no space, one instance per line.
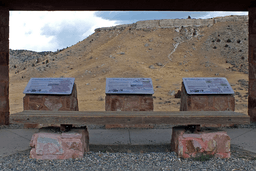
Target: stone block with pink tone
206,102
50,145
51,102
128,102
210,142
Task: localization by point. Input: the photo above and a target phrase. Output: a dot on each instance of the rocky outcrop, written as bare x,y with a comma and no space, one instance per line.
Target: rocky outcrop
118,27
172,23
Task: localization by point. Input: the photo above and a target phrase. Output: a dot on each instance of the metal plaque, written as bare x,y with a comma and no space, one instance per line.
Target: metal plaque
50,86
207,85
129,86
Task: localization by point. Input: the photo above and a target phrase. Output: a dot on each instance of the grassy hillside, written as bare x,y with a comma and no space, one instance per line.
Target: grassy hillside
165,55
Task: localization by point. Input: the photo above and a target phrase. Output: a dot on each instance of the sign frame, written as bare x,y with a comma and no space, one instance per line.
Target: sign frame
129,86
207,85
55,86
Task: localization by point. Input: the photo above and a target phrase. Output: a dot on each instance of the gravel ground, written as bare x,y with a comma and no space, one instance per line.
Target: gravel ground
125,161
125,157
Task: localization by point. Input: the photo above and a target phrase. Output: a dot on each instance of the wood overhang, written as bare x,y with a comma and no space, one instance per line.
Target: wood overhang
169,5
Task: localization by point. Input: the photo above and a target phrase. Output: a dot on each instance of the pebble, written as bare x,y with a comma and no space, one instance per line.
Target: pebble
159,64
151,67
171,92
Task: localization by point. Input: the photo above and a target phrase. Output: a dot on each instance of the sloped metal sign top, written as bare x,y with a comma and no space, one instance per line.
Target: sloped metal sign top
129,86
50,86
207,85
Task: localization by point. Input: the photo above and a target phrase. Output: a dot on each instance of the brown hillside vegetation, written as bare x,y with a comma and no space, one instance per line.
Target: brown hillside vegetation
164,54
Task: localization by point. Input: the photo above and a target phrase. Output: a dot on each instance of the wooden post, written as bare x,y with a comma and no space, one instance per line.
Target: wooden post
4,67
252,65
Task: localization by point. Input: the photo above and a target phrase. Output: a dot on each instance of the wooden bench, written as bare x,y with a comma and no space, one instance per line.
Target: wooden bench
183,145
131,117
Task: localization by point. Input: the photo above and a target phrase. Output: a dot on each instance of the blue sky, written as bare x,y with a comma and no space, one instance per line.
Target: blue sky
134,16
49,31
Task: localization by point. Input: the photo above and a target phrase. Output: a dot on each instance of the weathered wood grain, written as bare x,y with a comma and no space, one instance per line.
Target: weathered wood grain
142,117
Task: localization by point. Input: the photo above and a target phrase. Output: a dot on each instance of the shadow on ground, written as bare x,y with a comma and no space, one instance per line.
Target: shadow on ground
130,148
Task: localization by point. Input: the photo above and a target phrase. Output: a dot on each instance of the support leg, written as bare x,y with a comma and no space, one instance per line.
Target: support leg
4,67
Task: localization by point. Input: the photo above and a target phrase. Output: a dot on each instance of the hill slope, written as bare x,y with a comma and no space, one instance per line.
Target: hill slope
144,49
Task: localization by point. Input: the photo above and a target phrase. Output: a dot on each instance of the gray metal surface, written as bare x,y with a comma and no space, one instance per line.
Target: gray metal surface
50,86
207,85
129,86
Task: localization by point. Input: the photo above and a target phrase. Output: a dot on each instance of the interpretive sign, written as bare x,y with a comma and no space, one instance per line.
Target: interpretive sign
207,85
50,86
129,86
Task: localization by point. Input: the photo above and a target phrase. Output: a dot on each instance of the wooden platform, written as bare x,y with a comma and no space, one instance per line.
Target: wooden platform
143,117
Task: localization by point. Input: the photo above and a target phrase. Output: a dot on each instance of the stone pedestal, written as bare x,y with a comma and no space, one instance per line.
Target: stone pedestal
4,67
206,102
212,102
50,102
49,145
212,142
131,102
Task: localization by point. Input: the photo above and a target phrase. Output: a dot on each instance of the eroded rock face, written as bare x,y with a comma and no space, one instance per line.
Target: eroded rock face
47,145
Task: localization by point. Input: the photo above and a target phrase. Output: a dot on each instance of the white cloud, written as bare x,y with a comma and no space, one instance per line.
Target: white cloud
41,31
49,31
221,14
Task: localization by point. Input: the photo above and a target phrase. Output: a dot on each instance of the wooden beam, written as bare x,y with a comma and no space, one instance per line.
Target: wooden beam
113,117
4,67
139,5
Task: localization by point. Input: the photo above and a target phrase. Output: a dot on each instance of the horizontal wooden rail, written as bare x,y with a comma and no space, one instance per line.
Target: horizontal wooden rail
128,117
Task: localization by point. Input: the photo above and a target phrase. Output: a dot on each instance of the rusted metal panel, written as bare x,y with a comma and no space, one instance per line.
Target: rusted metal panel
113,117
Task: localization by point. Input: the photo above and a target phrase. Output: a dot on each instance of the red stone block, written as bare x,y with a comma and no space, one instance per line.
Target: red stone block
128,103
212,142
51,102
68,145
206,102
